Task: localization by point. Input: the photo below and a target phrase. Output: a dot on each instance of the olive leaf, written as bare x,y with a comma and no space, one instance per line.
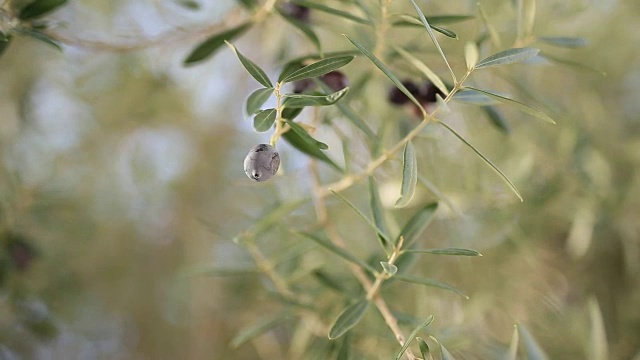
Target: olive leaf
318,68
257,99
39,8
348,318
208,47
409,175
506,57
253,69
413,335
302,100
431,283
263,121
518,105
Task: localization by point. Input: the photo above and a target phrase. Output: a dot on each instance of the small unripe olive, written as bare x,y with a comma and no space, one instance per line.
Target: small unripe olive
262,162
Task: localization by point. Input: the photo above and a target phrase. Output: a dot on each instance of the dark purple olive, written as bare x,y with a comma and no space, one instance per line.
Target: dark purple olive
21,252
335,80
298,12
302,86
397,97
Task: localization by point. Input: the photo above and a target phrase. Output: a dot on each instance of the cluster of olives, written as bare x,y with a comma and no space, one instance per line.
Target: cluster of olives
425,93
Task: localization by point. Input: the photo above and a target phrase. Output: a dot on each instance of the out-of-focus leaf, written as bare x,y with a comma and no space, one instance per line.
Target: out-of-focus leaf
409,175
408,20
425,22
348,318
345,349
532,348
318,68
190,4
416,225
307,147
430,282
486,160
424,349
471,54
253,69
332,11
518,105
493,34
257,99
258,328
208,47
305,135
263,121
599,346
373,226
291,113
248,4
387,72
388,268
566,42
302,100
274,216
513,345
304,28
216,270
5,41
444,353
508,56
329,281
444,107
40,36
573,64
39,8
497,119
356,120
413,335
435,79
377,210
343,253
446,251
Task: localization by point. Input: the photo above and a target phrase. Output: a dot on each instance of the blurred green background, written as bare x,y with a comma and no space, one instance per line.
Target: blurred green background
120,168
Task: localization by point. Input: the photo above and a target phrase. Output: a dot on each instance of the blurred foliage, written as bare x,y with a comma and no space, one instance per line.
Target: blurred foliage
128,229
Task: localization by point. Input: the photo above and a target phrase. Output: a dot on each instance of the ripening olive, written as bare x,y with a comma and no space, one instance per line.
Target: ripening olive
262,162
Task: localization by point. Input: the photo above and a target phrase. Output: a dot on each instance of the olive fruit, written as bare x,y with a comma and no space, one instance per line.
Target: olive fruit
397,97
298,12
335,80
262,162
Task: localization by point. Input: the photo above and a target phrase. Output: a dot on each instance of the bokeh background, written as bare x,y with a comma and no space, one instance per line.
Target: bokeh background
120,169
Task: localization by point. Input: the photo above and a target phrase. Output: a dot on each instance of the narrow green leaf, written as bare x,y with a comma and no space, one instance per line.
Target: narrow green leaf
508,56
413,335
486,160
433,38
430,282
291,113
518,105
305,135
208,47
303,145
330,282
348,318
416,225
532,348
304,28
409,175
345,349
373,226
446,251
388,268
445,32
471,54
40,36
446,355
248,4
257,99
444,107
190,4
357,121
5,40
429,185
387,72
263,121
448,19
253,69
332,11
473,98
258,328
404,20
39,7
565,42
424,349
418,64
377,211
318,68
513,346
497,119
343,253
302,100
